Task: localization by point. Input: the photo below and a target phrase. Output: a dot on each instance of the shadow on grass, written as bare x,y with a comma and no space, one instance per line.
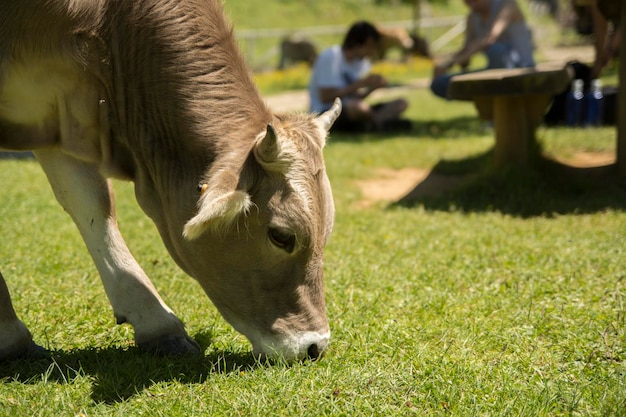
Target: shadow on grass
117,374
548,188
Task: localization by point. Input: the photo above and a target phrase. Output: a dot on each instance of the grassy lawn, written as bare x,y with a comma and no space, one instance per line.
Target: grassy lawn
505,296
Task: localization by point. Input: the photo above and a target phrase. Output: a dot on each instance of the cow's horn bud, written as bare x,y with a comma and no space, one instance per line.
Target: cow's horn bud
267,149
327,118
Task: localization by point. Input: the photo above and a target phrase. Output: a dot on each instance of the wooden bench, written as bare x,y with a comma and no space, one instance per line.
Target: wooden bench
515,100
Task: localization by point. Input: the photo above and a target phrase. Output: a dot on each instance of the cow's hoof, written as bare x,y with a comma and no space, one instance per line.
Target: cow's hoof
35,351
177,345
32,352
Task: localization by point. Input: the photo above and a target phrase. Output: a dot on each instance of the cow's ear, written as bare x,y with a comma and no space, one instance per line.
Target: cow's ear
217,211
326,119
220,205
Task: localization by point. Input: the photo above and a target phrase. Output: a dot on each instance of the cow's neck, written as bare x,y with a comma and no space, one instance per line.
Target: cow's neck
181,92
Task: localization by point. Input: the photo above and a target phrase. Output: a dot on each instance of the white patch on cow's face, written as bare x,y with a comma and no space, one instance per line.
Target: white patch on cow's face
296,346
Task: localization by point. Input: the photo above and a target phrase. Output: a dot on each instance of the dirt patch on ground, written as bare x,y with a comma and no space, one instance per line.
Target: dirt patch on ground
392,185
588,159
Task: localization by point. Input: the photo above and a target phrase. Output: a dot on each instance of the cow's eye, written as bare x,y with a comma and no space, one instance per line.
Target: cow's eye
282,238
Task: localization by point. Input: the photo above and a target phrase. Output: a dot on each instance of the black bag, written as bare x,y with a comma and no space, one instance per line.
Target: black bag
556,114
609,111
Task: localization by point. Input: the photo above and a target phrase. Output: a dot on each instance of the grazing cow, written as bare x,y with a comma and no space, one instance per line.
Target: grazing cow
156,92
293,51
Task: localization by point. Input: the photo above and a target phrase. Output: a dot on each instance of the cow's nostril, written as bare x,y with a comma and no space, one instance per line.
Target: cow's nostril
313,352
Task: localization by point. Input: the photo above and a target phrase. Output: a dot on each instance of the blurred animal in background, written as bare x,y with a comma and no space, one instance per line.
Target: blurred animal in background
543,7
400,39
420,47
295,50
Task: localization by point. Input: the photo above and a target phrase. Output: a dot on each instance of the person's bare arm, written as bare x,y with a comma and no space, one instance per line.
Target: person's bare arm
360,89
328,94
508,14
605,45
443,67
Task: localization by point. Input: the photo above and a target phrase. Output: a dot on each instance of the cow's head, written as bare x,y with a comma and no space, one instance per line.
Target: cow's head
258,236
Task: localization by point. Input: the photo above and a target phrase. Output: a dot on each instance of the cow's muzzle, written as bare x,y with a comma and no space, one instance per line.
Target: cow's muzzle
294,347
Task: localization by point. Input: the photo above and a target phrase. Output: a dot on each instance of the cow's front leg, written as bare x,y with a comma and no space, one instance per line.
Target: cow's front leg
88,198
15,339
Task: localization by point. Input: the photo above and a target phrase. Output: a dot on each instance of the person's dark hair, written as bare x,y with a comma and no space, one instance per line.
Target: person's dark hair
359,33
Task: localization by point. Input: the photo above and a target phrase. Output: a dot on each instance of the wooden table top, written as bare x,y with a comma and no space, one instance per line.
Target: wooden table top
543,79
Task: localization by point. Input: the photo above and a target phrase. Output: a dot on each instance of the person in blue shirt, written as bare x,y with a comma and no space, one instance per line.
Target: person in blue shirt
344,71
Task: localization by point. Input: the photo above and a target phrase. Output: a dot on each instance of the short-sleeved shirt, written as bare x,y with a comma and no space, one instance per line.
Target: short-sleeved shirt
517,35
332,70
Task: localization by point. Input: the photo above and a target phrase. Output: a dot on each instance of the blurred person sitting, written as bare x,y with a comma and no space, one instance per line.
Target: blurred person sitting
499,30
344,71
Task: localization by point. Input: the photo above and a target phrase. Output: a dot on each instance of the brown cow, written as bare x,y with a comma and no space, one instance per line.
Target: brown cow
402,40
293,51
156,92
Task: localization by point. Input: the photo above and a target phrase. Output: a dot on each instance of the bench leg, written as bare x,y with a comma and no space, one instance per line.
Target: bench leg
515,120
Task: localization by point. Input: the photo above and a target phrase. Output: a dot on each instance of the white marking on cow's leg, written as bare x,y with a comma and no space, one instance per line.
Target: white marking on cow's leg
88,198
15,339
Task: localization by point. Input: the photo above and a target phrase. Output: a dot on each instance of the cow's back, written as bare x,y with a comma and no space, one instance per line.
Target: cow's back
146,63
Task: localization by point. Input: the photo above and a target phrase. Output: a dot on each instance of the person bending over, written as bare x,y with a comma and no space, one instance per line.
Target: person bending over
496,28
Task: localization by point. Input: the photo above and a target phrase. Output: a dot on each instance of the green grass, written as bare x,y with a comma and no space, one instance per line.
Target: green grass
504,297
295,14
